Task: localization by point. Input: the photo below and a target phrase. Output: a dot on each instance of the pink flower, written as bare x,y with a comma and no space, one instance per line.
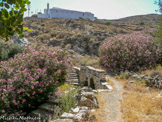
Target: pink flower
3,111
32,87
24,100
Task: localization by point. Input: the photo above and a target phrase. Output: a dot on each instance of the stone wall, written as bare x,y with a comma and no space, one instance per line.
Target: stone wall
151,81
89,76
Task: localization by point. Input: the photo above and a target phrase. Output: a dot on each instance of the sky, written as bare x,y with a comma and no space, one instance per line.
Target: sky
102,9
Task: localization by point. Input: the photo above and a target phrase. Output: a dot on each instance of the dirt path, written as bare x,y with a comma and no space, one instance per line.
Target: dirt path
109,102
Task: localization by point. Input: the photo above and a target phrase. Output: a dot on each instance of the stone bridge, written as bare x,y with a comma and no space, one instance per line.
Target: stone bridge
89,76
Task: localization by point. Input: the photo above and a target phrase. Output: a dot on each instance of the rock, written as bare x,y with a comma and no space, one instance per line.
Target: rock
84,108
63,120
86,102
96,105
131,81
22,42
67,116
136,77
85,89
92,118
93,110
88,95
81,116
75,110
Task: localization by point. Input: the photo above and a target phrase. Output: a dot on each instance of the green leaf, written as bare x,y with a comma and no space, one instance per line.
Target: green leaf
7,6
1,4
11,20
6,13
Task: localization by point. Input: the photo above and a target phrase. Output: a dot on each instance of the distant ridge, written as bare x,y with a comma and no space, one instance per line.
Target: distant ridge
150,18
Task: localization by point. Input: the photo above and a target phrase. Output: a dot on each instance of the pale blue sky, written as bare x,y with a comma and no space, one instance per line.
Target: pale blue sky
103,9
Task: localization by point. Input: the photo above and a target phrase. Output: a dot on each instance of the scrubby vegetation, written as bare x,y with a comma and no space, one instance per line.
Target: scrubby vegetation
29,78
8,50
84,37
108,22
131,52
140,103
68,100
65,87
93,61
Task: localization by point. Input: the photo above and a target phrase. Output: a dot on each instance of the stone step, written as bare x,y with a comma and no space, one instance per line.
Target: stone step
77,84
53,100
73,74
72,80
47,107
38,113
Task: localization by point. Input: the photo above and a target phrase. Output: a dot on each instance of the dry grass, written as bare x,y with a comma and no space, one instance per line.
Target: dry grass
140,104
65,87
110,82
99,114
139,107
157,69
93,61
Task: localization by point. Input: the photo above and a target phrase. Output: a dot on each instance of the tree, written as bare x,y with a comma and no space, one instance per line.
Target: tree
11,17
34,15
159,2
159,30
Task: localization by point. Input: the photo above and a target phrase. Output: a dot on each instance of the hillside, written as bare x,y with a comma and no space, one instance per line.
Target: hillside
146,19
83,36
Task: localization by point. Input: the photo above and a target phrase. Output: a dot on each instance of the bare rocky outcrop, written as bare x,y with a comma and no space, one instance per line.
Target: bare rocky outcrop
84,36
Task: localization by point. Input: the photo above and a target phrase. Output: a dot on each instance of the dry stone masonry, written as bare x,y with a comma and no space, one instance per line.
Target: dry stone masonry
151,81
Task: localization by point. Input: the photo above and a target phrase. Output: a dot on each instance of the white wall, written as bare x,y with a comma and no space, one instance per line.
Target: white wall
43,16
69,14
55,13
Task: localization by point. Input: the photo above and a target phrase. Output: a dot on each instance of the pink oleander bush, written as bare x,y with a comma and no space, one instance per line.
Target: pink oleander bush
29,78
129,52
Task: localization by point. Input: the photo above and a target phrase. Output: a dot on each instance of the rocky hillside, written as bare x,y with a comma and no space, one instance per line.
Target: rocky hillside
82,36
145,19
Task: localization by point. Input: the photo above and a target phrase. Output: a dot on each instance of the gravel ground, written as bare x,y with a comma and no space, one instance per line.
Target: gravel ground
112,112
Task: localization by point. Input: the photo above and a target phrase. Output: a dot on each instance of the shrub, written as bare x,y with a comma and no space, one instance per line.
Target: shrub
96,18
141,23
68,100
9,50
108,22
29,78
123,75
158,34
34,15
68,46
27,29
129,52
42,24
66,87
81,18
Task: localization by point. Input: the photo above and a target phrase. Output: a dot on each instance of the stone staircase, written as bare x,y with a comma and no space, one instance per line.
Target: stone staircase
72,78
46,111
50,108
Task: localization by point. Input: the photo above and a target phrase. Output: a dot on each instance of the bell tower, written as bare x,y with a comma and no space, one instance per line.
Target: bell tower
47,8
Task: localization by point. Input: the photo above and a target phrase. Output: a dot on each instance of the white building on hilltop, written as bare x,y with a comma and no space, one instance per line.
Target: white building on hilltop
64,13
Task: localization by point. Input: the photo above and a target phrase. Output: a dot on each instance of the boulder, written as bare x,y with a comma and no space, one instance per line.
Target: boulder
67,116
22,42
87,102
